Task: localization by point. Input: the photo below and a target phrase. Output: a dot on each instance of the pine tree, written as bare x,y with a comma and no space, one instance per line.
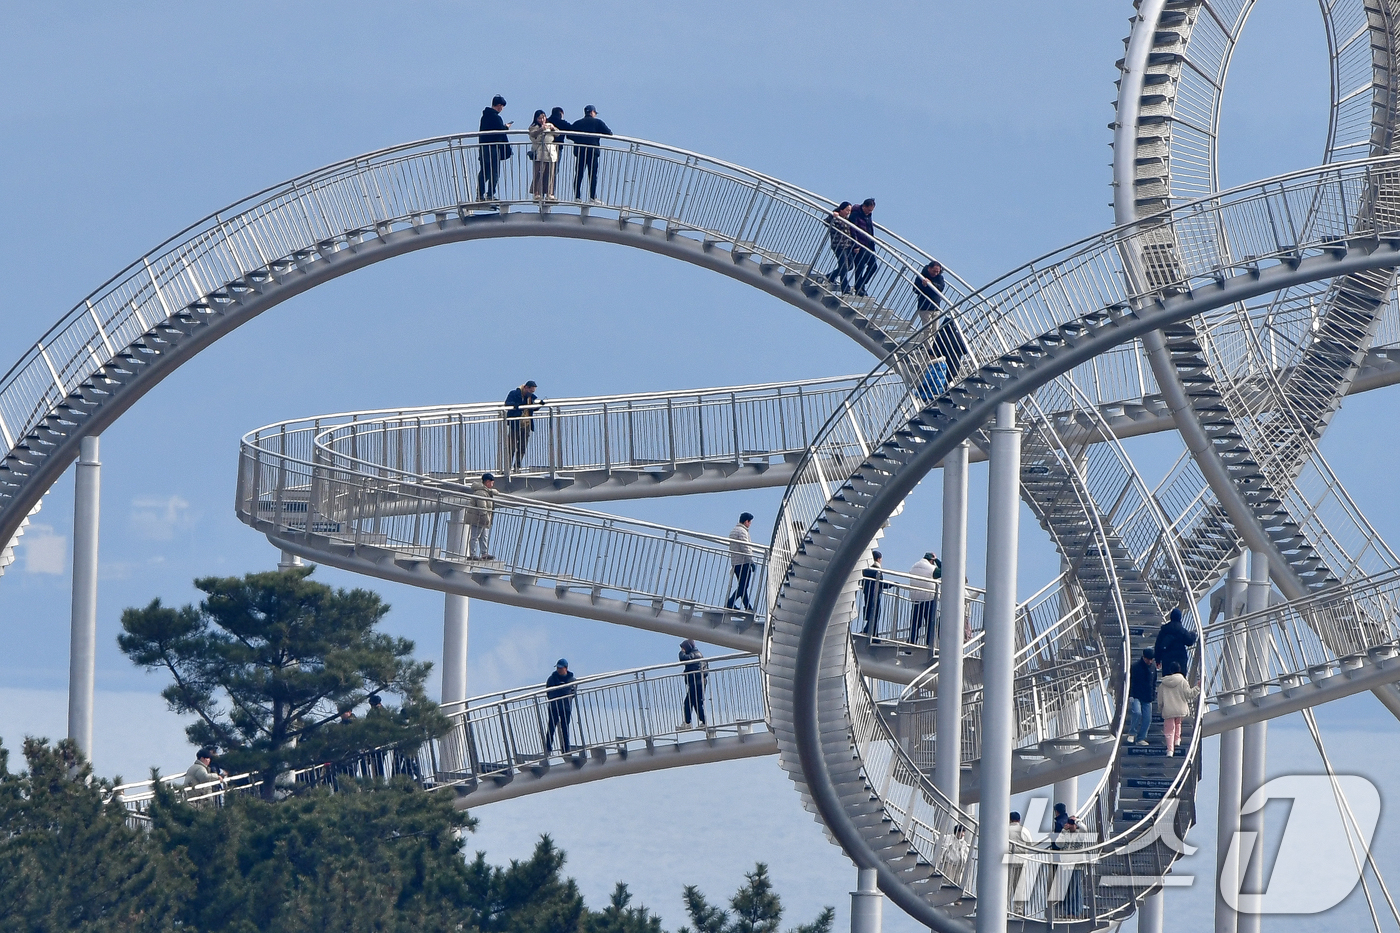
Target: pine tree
67,859
757,909
266,661
619,917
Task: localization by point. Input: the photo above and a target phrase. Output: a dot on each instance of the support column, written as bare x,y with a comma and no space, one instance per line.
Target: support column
1253,760
1150,914
1227,871
289,561
1067,793
867,903
947,763
454,649
998,660
82,648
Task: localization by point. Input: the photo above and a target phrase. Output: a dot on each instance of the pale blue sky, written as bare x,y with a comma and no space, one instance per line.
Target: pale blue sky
980,130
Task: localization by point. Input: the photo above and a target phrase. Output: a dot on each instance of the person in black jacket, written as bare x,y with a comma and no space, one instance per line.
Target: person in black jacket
863,249
521,404
839,231
1142,693
495,148
585,136
928,291
1174,640
872,585
696,673
556,117
560,689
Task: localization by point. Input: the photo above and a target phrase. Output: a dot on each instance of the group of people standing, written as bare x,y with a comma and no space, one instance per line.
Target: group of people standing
923,596
548,135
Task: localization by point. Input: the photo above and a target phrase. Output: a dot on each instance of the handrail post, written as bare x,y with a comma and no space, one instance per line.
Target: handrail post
734,410
671,431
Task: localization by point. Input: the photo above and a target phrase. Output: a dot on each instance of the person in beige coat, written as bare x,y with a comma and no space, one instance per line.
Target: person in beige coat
1177,700
544,149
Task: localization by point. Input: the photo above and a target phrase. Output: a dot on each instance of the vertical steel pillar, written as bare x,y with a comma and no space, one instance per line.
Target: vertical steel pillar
1253,760
998,659
82,647
288,561
1067,793
867,903
1227,871
1150,914
454,643
947,763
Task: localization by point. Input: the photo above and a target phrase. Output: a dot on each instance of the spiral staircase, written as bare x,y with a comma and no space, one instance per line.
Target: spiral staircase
1265,302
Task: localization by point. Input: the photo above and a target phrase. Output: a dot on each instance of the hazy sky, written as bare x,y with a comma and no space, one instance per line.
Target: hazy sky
981,131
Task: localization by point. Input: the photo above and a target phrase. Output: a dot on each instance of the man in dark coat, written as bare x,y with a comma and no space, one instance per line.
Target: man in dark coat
495,148
928,291
1142,693
863,233
585,136
696,673
1174,640
521,404
872,585
560,690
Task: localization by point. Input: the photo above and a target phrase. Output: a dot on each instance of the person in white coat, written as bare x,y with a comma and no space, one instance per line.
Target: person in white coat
1177,699
544,150
1018,878
923,592
741,559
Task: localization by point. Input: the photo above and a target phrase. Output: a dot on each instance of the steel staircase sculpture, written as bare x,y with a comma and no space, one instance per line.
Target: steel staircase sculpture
1257,416
823,714
333,493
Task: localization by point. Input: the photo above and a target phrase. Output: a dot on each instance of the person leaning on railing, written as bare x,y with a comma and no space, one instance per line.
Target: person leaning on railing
521,405
200,773
928,291
585,137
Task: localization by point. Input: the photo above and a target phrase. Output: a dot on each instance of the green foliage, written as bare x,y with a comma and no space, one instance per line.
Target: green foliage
266,661
618,917
68,861
386,859
756,907
525,897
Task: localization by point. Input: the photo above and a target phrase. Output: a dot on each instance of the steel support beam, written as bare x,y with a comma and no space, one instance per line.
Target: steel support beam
867,903
1253,761
82,646
998,667
1227,871
947,761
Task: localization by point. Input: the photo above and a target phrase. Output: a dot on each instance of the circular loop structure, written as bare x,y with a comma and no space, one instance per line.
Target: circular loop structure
1256,310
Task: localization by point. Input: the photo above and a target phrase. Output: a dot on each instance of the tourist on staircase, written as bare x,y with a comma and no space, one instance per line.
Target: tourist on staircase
928,291
863,230
872,587
560,691
1178,699
741,556
842,246
1020,881
544,150
521,405
585,137
495,148
478,517
1142,693
923,593
1173,644
697,672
